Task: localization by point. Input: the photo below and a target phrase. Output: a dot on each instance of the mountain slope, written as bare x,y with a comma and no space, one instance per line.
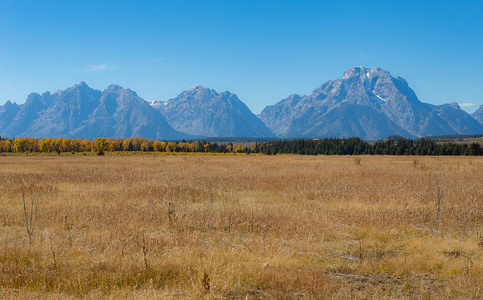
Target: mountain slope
202,111
8,112
82,112
459,120
368,103
478,115
64,111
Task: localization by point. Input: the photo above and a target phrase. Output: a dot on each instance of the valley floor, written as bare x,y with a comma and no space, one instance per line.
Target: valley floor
241,227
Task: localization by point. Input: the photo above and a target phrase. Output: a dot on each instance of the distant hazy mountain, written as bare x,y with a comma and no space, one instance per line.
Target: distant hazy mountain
478,115
82,112
8,112
202,111
458,119
368,103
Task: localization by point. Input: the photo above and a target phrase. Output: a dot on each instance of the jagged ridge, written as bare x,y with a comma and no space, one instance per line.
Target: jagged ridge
366,102
82,112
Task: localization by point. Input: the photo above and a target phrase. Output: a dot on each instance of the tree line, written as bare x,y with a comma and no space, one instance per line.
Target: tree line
100,145
327,146
356,146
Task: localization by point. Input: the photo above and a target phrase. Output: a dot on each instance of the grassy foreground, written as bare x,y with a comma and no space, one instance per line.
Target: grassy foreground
242,227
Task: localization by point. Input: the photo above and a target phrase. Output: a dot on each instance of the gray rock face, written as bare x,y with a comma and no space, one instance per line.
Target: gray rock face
368,103
8,112
478,115
202,111
82,112
64,111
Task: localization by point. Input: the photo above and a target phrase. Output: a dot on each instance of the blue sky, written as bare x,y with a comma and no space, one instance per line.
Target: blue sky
261,50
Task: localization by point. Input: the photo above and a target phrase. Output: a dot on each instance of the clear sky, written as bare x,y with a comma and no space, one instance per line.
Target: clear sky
261,50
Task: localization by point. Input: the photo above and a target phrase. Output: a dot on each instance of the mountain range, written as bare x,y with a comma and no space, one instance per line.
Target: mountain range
82,112
366,102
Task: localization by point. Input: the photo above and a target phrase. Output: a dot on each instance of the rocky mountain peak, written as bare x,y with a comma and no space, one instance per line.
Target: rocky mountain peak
455,105
81,84
199,91
9,104
203,111
196,87
198,96
33,99
365,75
119,90
113,88
354,73
366,102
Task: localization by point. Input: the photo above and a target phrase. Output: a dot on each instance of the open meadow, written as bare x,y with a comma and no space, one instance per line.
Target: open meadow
241,227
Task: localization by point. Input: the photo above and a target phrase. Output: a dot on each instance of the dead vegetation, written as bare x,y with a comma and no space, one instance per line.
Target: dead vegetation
241,227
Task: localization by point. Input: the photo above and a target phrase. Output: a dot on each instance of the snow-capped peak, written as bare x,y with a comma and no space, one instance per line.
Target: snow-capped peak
194,87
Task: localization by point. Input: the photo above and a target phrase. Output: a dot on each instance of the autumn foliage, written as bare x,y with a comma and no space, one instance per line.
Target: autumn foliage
62,145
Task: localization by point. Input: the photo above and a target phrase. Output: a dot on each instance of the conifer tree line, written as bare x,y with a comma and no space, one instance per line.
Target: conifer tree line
356,146
327,146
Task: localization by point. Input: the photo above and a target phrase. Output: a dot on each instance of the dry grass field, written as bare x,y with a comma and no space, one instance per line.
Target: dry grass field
241,227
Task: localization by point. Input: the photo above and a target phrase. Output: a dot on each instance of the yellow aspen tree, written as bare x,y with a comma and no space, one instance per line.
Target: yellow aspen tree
66,145
99,144
112,146
87,145
74,145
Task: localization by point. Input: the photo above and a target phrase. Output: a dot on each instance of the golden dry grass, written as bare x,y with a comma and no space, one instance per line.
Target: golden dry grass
290,227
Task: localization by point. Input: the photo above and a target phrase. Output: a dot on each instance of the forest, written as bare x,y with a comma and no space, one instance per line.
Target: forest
327,146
